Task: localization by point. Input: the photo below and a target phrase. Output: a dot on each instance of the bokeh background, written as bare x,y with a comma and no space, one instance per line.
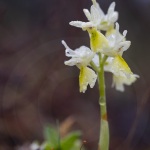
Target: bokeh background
36,88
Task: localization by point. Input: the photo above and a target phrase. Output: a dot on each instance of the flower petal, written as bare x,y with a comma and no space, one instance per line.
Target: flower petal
120,67
100,11
83,25
115,17
111,13
111,8
95,15
119,81
73,62
97,40
77,24
87,76
87,14
69,52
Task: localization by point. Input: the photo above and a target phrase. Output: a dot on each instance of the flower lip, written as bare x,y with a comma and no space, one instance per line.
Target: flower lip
87,77
120,81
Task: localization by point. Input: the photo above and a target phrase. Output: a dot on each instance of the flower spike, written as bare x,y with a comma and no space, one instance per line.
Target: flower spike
107,46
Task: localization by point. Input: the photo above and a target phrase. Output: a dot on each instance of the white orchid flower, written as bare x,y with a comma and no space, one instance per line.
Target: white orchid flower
81,57
97,18
116,42
112,45
122,74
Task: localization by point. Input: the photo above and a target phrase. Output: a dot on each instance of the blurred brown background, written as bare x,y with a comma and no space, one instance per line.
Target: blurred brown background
36,87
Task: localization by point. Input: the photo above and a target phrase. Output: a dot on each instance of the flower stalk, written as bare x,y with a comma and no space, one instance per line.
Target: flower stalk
104,129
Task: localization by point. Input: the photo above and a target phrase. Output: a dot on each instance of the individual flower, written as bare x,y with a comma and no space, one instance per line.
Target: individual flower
112,45
97,18
122,74
81,57
116,42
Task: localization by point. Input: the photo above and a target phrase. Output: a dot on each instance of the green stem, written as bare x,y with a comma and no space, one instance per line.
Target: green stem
94,66
104,129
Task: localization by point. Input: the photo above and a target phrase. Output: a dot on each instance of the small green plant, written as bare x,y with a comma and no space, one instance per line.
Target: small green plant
54,142
105,54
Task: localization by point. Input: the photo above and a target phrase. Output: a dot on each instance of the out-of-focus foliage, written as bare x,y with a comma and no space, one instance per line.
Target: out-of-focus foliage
54,142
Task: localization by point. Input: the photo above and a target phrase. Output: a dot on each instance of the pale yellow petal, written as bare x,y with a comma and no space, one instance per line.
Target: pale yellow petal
122,74
120,67
87,76
97,40
120,81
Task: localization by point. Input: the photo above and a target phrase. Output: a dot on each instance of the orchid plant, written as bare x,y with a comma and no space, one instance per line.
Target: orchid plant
105,54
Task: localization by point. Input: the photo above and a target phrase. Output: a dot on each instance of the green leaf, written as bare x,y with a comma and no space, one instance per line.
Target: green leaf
71,141
47,146
51,137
